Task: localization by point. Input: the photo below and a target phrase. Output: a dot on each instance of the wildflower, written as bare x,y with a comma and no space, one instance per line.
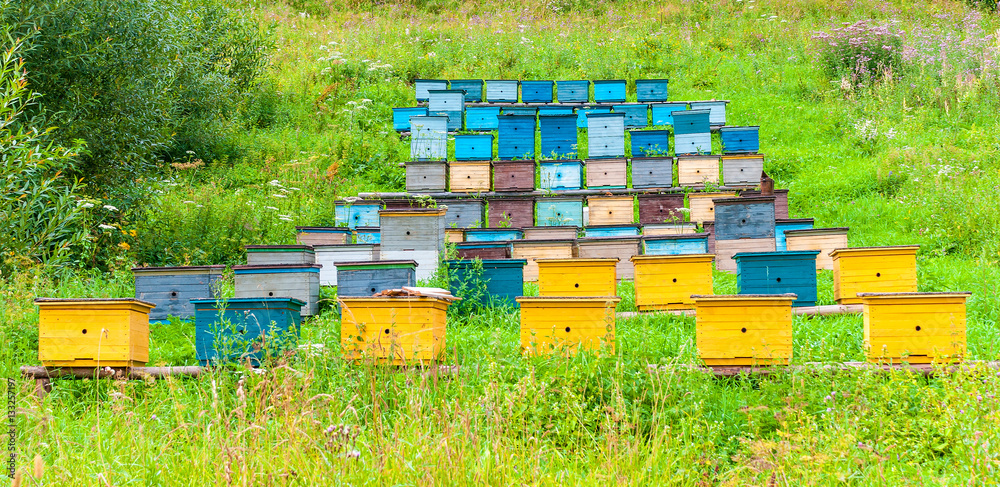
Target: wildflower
188,202
285,219
353,454
125,246
271,208
189,152
110,208
279,196
105,227
275,182
329,429
154,418
86,205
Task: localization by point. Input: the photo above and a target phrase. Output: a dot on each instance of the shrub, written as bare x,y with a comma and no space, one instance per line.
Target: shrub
862,53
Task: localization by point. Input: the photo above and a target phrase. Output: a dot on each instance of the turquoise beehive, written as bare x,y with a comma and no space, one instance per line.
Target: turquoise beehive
560,211
778,273
689,243
243,329
786,224
489,282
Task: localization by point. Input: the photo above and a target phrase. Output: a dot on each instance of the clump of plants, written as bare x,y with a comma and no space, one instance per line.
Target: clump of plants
862,53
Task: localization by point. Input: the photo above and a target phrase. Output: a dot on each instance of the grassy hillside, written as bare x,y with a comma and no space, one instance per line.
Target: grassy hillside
902,147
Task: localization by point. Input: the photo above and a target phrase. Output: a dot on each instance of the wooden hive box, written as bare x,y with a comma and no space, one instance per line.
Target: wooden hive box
740,140
914,327
329,256
493,234
489,282
737,218
575,91
577,277
611,231
663,113
716,109
677,228
660,208
322,235
454,235
414,234
93,332
609,90
891,269
605,135
742,170
778,273
692,132
744,329
513,175
786,224
516,137
422,87
473,89
299,281
279,254
560,175
523,111
532,250
826,240
611,210
511,212
726,249
780,201
668,281
566,325
401,117
650,143
401,202
583,113
647,90
621,248
465,213
426,177
358,213
652,172
636,114
558,211
558,136
709,229
702,207
483,250
482,118
697,171
244,330
536,91
567,232
394,330
366,278
474,147
368,235
545,111
470,176
501,91
171,289
428,138
607,173
686,244
448,103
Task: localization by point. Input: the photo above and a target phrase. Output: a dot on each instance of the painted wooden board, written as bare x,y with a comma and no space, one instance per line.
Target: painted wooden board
330,255
545,111
726,249
279,254
560,175
465,213
636,114
716,108
789,224
368,235
93,332
651,90
428,138
474,147
693,144
890,269
652,172
661,208
537,91
394,330
605,135
567,232
448,103
454,235
778,273
482,118
473,89
401,117
692,122
577,91
737,218
493,234
607,173
621,248
363,213
171,289
513,175
526,111
426,176
740,140
826,240
561,325
419,229
578,277
744,330
558,136
609,90
511,212
558,211
611,231
650,143
422,87
696,171
702,206
322,235
516,137
532,250
245,330
914,327
498,90
610,210
299,281
663,113
489,282
583,113
483,250
470,176
366,278
678,228
742,170
685,244
427,261
665,282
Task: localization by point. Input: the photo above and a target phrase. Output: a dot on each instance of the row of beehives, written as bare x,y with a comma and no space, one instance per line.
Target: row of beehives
544,91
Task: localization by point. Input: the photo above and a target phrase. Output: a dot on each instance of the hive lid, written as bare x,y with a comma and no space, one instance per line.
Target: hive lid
358,202
228,301
692,113
916,295
606,115
743,199
791,220
181,268
623,225
278,248
561,161
277,267
848,250
704,257
485,262
654,158
611,239
738,297
607,81
412,212
491,230
548,227
736,128
756,192
817,231
379,263
654,80
68,301
360,246
560,299
469,163
602,160
774,254
545,241
483,245
323,229
682,236
367,229
576,260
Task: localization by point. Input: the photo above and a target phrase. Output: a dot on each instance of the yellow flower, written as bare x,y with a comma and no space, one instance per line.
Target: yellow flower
124,246
132,232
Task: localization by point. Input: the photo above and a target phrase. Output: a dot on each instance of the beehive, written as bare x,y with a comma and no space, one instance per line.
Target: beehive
454,235
914,327
780,201
636,114
577,277
750,329
489,282
621,248
647,90
414,234
368,235
531,250
528,111
422,87
322,235
583,113
299,281
502,91
697,171
606,173
685,244
605,135
740,140
483,250
611,231
171,289
365,278
329,256
470,176
891,269
716,109
726,249
279,254
692,132
825,240
426,176
742,170
545,111
245,329
474,147
394,330
702,207
516,137
428,138
660,208
786,224
448,103
493,234
778,273
536,91
558,136
567,232
560,175
663,113
609,90
558,211
400,203
357,214
610,210
737,218
650,143
465,213
473,89
482,118
577,91
511,211
652,172
668,281
678,228
401,117
513,175
93,332
567,324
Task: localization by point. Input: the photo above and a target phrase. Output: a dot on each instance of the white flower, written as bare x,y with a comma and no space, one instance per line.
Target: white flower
279,196
188,202
274,182
285,219
110,208
189,152
365,100
271,208
105,227
85,205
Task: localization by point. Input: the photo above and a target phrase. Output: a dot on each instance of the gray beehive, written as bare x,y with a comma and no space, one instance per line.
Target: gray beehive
465,213
429,138
280,254
330,255
299,281
171,289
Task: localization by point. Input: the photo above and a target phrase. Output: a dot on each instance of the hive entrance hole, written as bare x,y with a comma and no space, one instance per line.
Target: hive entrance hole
567,329
878,274
270,293
779,279
386,331
675,279
744,330
918,327
84,331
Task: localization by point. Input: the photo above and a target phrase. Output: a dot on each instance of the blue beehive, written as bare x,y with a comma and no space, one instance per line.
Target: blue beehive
559,135
473,89
692,132
549,110
428,138
500,90
368,278
529,111
609,91
740,140
171,289
636,114
401,117
778,273
482,118
235,330
689,243
652,172
582,113
536,91
650,143
368,235
448,103
717,109
789,224
651,90
573,91
464,213
605,135
663,113
489,282
358,213
423,86
560,175
611,231
516,137
493,234
561,211
475,147
738,218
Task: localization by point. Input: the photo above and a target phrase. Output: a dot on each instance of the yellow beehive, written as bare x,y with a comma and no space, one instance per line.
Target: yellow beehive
890,269
668,281
470,176
454,235
393,330
577,277
550,324
93,332
697,170
915,327
610,210
701,205
825,240
532,250
748,329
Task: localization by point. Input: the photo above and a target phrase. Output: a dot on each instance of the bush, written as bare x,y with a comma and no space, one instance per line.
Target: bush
862,53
